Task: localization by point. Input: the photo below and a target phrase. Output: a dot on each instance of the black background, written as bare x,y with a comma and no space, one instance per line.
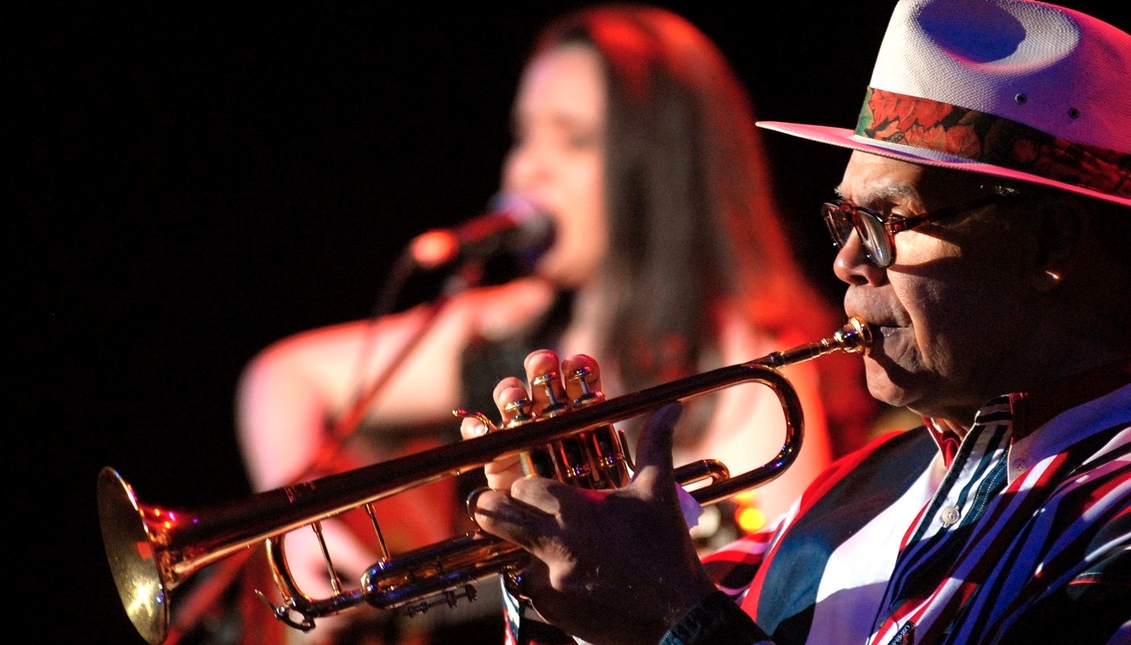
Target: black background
188,185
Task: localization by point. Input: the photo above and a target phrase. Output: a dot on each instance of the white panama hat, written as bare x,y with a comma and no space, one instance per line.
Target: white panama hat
1011,88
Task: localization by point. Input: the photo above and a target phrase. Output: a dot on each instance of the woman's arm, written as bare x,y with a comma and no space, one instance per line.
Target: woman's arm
291,393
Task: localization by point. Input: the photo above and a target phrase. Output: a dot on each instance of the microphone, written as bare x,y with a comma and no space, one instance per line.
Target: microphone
512,225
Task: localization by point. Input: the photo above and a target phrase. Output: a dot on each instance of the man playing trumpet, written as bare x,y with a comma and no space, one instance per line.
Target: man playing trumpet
984,227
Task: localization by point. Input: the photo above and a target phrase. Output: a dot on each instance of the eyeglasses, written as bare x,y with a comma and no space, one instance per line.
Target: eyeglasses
877,231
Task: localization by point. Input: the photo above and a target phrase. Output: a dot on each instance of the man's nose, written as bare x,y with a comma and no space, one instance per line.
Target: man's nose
852,266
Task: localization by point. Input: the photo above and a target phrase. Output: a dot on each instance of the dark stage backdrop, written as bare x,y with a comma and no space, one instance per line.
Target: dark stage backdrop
186,186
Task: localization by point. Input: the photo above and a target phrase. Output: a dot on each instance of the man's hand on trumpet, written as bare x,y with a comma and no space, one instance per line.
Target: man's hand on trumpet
606,563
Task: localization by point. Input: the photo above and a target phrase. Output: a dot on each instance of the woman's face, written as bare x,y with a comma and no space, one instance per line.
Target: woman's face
557,160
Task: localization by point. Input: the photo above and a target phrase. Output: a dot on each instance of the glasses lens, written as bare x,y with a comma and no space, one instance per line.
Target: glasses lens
873,236
838,219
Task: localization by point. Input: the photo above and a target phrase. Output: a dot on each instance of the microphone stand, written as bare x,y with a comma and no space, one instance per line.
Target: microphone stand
227,571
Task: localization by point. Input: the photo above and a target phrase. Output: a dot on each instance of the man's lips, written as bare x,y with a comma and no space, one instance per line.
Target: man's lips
876,322
882,328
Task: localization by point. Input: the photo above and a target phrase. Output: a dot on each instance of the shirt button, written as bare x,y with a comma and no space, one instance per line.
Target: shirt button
950,515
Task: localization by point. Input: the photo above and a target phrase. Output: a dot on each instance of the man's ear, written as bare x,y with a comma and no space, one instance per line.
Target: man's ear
1061,227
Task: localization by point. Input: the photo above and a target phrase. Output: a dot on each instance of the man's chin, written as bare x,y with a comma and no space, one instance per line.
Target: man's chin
881,387
889,396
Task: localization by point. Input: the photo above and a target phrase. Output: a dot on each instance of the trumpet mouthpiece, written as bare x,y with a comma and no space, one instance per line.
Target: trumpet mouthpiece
855,337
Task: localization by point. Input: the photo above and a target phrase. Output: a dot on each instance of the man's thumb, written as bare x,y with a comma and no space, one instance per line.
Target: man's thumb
654,449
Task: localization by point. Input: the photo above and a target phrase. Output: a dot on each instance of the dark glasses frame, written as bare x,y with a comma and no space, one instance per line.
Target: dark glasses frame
877,231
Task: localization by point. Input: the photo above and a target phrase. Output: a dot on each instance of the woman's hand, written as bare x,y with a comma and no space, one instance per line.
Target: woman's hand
610,566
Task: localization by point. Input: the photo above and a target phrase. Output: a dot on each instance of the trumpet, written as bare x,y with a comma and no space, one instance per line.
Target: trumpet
152,549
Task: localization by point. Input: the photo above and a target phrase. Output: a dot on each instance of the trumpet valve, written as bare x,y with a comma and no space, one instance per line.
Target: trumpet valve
588,396
554,404
522,411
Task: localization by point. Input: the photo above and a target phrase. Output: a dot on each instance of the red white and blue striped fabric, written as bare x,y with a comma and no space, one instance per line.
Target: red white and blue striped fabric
891,546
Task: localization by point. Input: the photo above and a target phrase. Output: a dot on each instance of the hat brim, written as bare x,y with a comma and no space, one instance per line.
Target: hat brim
845,138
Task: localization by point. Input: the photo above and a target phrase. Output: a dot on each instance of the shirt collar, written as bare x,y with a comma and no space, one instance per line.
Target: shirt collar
1031,410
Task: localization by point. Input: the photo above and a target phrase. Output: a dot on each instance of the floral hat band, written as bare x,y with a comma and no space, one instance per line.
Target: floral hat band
978,136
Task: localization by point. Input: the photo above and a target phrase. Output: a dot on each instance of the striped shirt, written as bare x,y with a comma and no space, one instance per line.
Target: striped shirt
1020,532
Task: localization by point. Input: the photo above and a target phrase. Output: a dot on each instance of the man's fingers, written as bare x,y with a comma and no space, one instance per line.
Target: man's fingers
512,399
472,427
510,519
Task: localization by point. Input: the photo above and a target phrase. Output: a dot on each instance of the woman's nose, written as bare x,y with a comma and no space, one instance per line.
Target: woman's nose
527,167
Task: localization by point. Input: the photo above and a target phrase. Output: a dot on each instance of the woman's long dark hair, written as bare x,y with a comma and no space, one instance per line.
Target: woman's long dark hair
693,223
